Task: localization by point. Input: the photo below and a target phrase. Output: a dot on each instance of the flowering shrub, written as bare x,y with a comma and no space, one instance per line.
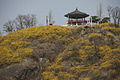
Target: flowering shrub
92,35
66,76
13,47
50,76
68,53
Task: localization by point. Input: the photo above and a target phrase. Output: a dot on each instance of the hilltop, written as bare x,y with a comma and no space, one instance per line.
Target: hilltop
61,53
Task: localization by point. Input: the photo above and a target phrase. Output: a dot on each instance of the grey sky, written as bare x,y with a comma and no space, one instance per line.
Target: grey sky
9,9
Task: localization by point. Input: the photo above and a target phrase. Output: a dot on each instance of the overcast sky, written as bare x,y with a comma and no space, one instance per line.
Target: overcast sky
9,9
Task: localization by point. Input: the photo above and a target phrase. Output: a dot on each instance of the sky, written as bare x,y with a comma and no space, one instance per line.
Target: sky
9,9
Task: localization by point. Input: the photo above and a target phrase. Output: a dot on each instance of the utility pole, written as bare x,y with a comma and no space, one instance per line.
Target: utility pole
100,11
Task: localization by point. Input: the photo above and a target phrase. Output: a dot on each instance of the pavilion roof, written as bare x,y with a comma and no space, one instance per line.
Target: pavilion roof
76,14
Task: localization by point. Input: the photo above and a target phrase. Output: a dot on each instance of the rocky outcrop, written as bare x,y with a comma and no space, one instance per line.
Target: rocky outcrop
30,69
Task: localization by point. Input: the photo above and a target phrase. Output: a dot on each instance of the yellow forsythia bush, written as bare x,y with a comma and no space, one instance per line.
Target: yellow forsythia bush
8,56
49,76
66,76
13,46
92,35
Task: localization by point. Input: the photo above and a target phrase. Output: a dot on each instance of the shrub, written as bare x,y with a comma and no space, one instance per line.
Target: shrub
93,35
49,76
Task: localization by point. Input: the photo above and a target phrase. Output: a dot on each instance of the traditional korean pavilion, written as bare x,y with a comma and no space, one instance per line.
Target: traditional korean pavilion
76,18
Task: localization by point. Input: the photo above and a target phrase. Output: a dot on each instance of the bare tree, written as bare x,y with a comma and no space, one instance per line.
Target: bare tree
25,21
109,10
116,15
29,20
9,26
19,21
0,33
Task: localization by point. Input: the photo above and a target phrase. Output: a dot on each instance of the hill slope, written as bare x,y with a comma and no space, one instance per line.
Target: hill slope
61,53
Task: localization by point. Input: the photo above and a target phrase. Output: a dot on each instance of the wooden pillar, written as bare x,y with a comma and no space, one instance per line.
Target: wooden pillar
84,20
76,22
68,21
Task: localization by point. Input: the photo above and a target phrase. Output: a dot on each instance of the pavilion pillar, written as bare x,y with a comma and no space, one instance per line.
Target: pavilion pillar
70,22
76,22
84,20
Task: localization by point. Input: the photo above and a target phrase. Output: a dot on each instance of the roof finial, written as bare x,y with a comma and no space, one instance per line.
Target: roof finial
76,9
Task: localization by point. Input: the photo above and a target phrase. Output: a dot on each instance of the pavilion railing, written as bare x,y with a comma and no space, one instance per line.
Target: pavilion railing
76,21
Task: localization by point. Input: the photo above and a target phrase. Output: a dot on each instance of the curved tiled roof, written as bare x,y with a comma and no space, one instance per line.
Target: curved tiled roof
76,14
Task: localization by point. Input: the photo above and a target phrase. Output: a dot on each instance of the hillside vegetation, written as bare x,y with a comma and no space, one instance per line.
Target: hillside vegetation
61,53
